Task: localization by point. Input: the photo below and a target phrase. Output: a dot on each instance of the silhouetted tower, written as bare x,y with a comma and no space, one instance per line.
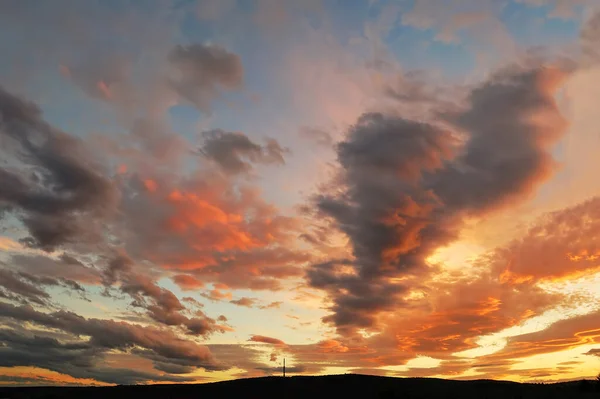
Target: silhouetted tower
284,366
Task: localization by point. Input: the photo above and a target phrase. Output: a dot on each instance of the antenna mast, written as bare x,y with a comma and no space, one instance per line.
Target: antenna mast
284,366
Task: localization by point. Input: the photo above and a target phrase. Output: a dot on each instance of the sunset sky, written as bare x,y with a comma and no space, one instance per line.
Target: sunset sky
192,191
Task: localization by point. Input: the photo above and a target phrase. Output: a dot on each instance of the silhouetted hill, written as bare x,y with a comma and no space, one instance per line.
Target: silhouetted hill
335,386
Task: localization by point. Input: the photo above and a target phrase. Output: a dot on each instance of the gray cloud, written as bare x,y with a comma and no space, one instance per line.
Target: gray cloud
406,186
64,268
77,359
319,136
235,152
58,193
202,71
28,287
19,288
111,335
160,303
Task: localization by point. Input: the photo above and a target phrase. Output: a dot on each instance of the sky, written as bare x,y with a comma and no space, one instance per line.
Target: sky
193,191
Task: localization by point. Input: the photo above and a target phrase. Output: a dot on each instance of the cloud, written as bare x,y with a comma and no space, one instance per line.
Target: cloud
479,18
216,295
202,71
464,310
58,192
103,78
319,136
234,152
406,186
562,335
211,228
244,301
593,352
104,335
187,282
266,340
160,303
559,245
272,305
63,267
245,357
27,288
18,288
77,359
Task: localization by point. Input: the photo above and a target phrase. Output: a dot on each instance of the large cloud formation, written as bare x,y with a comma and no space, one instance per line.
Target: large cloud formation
50,180
83,223
406,186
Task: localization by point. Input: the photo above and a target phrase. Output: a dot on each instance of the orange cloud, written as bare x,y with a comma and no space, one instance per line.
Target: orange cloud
562,335
187,282
560,245
331,345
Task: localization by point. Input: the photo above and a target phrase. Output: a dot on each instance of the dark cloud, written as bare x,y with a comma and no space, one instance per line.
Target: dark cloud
592,352
30,286
77,359
244,301
512,122
17,288
64,268
160,303
107,335
58,191
405,186
202,71
235,152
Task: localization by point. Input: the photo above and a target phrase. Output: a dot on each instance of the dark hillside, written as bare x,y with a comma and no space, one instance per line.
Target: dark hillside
340,386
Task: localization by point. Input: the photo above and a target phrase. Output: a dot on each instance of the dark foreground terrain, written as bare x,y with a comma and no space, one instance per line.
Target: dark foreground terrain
337,386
